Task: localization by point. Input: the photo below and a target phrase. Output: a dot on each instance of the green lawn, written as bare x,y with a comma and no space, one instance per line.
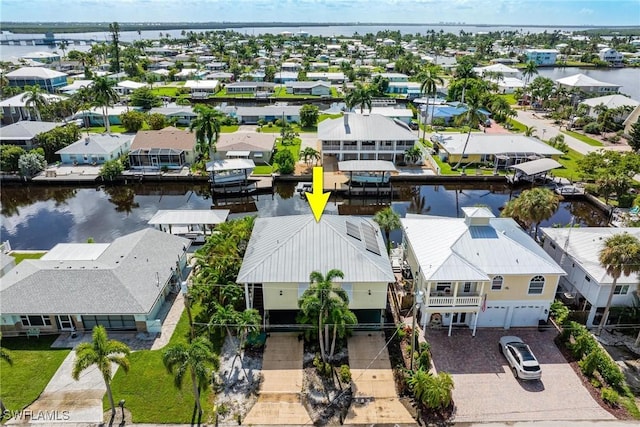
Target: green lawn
149,390
278,129
516,126
34,363
569,161
323,117
171,91
511,99
294,148
21,256
263,170
229,129
114,128
583,138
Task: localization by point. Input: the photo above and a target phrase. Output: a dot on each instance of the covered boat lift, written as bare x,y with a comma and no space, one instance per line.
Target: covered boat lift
376,173
530,171
193,224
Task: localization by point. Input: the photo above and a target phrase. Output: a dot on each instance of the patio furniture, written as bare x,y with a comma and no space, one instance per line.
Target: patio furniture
33,332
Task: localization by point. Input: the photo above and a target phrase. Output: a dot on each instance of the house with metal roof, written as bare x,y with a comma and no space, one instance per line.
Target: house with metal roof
248,145
122,285
24,133
169,148
587,84
249,87
15,108
283,251
95,149
610,102
499,150
269,113
318,88
478,271
47,79
587,284
365,137
174,113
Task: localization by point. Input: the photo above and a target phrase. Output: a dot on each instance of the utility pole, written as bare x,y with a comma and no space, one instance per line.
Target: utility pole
417,295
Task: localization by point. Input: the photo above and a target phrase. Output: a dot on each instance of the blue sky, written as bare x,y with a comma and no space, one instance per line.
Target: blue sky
542,12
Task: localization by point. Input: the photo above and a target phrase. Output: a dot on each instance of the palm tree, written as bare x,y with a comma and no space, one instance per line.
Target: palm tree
388,220
529,71
413,154
500,108
619,255
433,391
429,81
102,352
472,118
361,96
532,207
35,99
197,358
529,130
104,96
63,45
320,301
465,71
309,154
207,127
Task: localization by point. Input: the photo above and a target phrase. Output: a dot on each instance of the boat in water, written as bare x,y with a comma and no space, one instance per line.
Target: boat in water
230,171
370,177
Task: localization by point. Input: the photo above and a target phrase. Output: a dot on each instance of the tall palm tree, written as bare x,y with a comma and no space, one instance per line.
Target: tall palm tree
620,254
471,118
102,352
530,69
429,81
63,45
197,359
361,96
104,96
532,207
465,72
388,220
207,127
319,301
35,99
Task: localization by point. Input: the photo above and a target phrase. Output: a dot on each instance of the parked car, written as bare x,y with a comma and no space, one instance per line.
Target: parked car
414,125
520,357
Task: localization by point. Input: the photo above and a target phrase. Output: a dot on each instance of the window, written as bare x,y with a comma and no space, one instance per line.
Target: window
35,320
348,288
443,286
536,285
467,287
496,283
621,290
587,278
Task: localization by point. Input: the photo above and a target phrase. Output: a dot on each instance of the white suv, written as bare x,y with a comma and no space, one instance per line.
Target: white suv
520,357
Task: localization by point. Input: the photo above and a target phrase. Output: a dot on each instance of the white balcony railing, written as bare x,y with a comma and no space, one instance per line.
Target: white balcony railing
460,301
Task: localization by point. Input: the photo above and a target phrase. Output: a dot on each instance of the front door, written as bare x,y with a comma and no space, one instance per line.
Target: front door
64,322
459,318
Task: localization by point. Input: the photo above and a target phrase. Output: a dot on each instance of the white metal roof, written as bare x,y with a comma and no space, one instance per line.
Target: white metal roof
537,166
366,166
611,101
189,216
17,101
360,127
202,84
34,72
584,245
481,143
230,164
129,84
238,153
448,249
286,249
581,80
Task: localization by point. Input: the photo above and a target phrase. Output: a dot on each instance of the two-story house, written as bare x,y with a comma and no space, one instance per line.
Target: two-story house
610,55
587,84
47,79
587,284
365,137
542,57
478,271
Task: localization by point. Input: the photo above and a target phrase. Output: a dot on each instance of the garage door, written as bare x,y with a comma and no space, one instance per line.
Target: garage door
526,315
493,316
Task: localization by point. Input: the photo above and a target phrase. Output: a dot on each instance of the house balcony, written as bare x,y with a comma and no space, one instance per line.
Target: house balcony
464,300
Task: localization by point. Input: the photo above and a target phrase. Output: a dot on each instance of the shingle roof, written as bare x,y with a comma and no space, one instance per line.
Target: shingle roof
611,101
96,144
122,280
360,127
17,101
25,130
168,137
287,249
236,140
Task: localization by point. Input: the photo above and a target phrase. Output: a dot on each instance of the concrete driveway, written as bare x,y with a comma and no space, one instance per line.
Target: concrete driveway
487,391
375,397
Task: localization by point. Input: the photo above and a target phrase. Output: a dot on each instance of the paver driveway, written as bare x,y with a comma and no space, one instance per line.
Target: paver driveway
486,389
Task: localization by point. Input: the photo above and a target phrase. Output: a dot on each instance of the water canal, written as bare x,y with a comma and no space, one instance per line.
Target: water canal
39,217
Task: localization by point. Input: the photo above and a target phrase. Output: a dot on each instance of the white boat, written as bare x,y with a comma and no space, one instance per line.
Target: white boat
230,171
304,187
569,190
371,177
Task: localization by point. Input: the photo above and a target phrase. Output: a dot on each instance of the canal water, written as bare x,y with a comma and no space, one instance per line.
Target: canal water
39,217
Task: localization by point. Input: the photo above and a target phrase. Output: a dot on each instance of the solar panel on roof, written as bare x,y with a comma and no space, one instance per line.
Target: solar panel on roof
370,240
353,230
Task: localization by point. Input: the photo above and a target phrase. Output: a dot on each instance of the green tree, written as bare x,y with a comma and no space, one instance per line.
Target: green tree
634,134
388,220
359,96
531,69
464,72
529,130
5,355
413,154
471,118
532,207
145,98
429,81
433,391
285,161
9,156
309,116
35,99
157,121
309,154
56,139
620,254
31,163
207,128
379,86
111,169
104,96
196,359
114,29
102,352
132,120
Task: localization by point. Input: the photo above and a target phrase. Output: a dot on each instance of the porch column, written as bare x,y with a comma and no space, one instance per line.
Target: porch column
246,295
475,324
426,306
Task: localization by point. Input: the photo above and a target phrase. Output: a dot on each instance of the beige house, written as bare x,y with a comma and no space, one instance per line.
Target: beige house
245,145
283,251
169,147
478,271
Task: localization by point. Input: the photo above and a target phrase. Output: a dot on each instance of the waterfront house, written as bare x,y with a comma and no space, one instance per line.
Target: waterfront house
610,102
47,79
542,57
177,114
365,137
403,114
122,285
125,87
587,84
247,145
95,116
168,148
498,150
501,69
221,76
202,88
333,78
241,88
285,76
271,113
318,88
95,149
42,57
611,56
478,271
507,84
25,133
411,89
15,108
587,284
283,251
393,77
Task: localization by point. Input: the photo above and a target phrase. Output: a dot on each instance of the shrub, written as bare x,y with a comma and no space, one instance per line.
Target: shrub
345,374
156,121
424,360
610,396
559,311
596,383
438,122
323,368
591,189
625,200
592,128
400,332
286,162
132,120
610,372
589,364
